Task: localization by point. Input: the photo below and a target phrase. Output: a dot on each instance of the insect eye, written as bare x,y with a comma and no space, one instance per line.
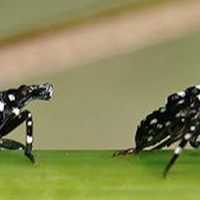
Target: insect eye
25,91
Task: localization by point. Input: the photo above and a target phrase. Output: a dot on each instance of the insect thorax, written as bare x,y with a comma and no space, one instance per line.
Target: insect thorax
170,120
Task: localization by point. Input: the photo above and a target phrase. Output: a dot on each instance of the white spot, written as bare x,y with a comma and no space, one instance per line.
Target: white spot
181,101
29,123
16,111
162,110
182,93
178,150
183,114
153,121
29,115
198,97
150,138
131,151
187,136
178,115
2,105
29,139
51,91
197,86
183,120
192,128
11,97
159,126
192,105
167,123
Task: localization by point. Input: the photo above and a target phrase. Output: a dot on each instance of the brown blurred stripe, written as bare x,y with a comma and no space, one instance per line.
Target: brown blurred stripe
84,20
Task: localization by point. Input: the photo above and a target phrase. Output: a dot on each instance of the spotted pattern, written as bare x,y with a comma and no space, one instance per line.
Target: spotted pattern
178,121
171,117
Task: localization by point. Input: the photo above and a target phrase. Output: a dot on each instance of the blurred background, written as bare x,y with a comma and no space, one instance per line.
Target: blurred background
111,62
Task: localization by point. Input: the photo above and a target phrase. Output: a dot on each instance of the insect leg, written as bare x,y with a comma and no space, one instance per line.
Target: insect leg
11,144
194,141
124,152
13,122
164,144
29,136
168,142
179,149
177,153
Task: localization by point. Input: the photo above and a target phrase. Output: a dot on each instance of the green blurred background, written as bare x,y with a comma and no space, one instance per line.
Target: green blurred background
98,105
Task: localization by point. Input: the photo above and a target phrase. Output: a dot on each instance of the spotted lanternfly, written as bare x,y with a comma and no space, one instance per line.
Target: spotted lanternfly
178,120
12,102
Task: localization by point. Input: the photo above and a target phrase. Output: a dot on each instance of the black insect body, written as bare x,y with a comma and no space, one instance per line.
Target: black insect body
178,120
12,114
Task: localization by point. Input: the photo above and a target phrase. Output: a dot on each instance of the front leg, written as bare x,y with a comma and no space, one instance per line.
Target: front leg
13,122
29,136
191,130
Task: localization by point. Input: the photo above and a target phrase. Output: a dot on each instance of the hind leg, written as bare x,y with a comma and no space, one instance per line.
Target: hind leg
135,151
191,130
11,144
